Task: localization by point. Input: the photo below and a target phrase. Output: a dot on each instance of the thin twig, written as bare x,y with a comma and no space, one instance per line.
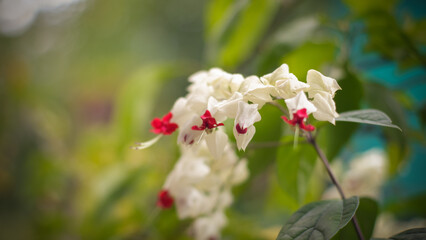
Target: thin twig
314,143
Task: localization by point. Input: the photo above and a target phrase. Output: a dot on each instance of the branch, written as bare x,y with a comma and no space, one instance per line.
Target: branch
320,153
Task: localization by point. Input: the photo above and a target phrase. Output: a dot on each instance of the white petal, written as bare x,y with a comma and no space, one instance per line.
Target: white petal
198,77
209,227
181,113
190,202
326,108
255,91
216,142
320,83
247,114
290,86
187,135
278,74
244,139
299,102
198,97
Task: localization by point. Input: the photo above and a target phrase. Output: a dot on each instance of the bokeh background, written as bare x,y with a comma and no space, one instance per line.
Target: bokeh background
80,81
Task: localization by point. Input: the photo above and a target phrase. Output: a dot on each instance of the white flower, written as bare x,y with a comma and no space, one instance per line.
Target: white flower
190,202
188,136
326,108
290,87
321,84
189,169
226,108
286,83
244,130
278,74
223,84
209,227
197,98
216,142
255,91
299,102
181,112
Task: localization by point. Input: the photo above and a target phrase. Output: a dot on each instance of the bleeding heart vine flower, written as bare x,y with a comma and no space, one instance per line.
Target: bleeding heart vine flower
300,107
244,130
160,127
209,123
201,181
164,199
286,84
163,126
299,118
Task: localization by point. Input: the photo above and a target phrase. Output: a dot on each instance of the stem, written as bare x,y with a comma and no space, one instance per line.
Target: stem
312,141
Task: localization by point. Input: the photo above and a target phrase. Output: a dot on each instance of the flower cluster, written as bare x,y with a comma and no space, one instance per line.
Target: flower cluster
200,183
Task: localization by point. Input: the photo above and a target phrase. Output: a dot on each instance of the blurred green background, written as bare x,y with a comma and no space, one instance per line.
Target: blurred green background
80,81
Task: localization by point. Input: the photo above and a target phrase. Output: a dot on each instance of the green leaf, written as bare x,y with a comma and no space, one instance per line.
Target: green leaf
349,208
318,220
411,234
368,116
294,169
366,215
235,29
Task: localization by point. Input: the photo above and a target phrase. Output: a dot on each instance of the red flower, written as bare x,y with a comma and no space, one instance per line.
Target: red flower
163,126
209,122
299,119
164,199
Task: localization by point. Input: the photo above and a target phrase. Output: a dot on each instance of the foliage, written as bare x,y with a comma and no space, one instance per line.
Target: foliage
77,94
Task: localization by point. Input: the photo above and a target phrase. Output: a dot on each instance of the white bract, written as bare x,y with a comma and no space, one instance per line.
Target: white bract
201,181
298,102
326,108
286,83
244,129
321,84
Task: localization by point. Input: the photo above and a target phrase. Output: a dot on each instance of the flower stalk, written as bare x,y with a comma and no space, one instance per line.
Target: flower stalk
310,139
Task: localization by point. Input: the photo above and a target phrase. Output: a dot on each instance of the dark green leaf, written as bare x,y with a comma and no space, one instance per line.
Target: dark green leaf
294,168
318,220
366,215
368,116
349,208
411,234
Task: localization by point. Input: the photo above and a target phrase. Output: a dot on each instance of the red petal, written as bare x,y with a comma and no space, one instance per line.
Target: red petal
206,115
164,199
240,130
167,117
156,123
308,127
156,130
288,121
199,128
301,113
170,128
